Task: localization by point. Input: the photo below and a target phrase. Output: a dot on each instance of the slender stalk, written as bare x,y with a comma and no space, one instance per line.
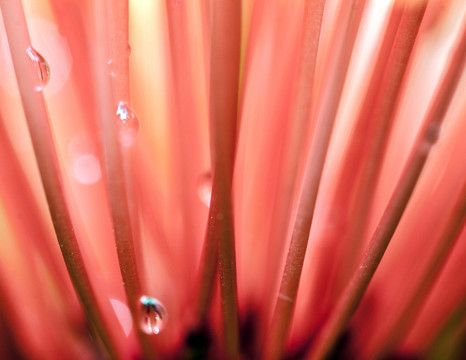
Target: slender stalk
449,237
395,208
112,30
301,115
119,52
363,157
42,140
344,38
349,197
224,85
208,269
378,111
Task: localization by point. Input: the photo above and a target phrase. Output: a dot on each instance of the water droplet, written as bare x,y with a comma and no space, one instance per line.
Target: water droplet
204,188
42,68
128,124
153,315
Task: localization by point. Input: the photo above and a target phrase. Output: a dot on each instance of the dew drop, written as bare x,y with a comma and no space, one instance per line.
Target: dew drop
42,68
204,188
128,124
153,315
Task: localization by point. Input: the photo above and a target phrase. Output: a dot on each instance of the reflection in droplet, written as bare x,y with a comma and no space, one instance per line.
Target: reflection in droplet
123,314
153,315
53,47
204,188
86,169
42,68
128,124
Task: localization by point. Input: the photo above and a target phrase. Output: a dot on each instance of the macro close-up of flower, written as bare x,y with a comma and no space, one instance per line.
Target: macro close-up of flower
233,179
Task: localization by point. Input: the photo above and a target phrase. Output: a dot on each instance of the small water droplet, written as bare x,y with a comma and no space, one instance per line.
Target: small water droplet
204,188
153,315
42,68
128,124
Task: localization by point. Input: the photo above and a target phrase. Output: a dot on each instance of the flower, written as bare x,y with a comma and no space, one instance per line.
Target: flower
279,179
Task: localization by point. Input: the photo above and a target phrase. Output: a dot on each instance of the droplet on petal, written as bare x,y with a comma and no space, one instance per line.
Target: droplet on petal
128,124
42,68
153,315
204,188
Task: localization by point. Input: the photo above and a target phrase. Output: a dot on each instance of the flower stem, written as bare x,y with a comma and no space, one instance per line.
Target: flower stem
119,52
352,197
343,37
42,140
113,30
457,219
300,118
448,239
398,201
220,241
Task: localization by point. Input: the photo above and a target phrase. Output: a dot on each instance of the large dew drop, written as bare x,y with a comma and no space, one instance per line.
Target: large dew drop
153,315
42,68
128,124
